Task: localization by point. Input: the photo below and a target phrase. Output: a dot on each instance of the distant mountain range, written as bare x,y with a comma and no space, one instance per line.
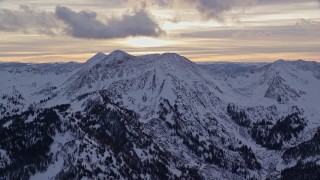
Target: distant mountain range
159,116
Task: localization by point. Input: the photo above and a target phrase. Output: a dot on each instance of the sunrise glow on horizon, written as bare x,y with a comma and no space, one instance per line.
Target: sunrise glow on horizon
202,30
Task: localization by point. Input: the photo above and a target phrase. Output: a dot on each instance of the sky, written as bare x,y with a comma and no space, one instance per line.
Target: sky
201,30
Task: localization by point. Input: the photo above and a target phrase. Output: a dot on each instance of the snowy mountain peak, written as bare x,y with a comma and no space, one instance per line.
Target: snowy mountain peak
118,55
173,56
95,59
159,116
99,55
174,60
296,63
170,55
115,56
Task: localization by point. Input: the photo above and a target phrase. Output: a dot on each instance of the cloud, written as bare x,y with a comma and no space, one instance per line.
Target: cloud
162,3
85,24
274,33
207,9
27,20
149,3
217,9
283,1
251,34
310,26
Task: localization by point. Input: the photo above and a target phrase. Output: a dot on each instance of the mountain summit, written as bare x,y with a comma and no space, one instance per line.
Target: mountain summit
114,56
119,55
159,116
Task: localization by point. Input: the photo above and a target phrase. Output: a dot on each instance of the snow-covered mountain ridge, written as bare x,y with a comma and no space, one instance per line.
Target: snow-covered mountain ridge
160,116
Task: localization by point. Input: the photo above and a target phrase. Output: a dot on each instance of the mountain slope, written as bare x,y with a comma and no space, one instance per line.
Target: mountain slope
278,104
25,85
161,116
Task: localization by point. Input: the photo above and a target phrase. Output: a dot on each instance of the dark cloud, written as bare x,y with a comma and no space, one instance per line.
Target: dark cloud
86,25
208,9
217,9
27,20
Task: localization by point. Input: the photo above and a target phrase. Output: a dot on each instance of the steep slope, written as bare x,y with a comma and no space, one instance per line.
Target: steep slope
172,96
229,69
161,116
278,104
168,98
282,81
24,85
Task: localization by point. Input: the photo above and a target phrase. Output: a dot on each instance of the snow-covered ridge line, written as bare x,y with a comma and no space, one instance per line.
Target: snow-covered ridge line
158,116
